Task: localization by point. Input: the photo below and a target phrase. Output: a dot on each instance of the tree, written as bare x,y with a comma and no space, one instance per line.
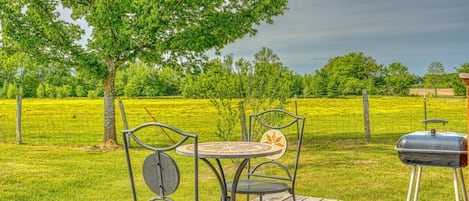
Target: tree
80,91
398,79
262,83
40,91
13,70
222,86
271,80
11,91
155,32
349,74
216,81
434,76
316,84
458,86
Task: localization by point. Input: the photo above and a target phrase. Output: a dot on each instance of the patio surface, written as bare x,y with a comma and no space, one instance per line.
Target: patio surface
287,197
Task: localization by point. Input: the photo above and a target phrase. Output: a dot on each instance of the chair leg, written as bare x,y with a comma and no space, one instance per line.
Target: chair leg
292,192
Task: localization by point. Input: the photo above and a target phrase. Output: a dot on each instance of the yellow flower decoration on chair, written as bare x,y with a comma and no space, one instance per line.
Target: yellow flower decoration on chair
277,138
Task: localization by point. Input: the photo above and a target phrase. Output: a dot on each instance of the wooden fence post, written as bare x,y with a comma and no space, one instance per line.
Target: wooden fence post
242,119
18,119
465,79
366,114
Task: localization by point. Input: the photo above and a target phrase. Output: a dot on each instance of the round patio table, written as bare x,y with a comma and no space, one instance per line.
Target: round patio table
220,150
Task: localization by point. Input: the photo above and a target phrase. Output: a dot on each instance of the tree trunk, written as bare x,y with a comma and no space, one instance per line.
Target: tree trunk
109,108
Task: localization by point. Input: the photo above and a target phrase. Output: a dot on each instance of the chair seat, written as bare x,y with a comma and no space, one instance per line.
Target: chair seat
259,187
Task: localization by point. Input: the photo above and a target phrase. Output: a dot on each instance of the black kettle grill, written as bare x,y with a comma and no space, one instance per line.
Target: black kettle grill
433,148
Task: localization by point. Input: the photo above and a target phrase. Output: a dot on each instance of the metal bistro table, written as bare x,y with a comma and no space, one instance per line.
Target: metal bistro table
220,150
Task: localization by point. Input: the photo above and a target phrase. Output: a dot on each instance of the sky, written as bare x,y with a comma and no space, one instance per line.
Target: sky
414,33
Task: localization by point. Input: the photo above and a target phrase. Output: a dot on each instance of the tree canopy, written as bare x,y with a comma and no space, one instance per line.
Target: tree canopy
433,78
398,79
458,86
155,32
349,74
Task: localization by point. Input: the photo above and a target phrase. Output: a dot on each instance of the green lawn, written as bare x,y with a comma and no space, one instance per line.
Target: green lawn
347,170
336,161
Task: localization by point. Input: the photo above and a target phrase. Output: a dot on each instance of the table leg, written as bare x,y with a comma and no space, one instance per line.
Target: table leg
222,174
220,177
222,180
236,178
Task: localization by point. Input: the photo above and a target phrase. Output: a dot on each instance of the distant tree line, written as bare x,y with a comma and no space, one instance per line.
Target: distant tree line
266,76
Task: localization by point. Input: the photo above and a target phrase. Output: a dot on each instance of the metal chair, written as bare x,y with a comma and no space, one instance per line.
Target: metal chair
124,118
123,115
272,123
159,169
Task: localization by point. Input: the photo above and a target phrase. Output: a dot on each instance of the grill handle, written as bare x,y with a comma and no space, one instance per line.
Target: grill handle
441,121
434,121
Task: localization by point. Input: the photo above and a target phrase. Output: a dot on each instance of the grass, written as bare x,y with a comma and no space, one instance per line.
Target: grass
336,161
346,170
56,173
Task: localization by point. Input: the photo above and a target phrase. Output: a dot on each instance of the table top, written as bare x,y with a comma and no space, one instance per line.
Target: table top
230,149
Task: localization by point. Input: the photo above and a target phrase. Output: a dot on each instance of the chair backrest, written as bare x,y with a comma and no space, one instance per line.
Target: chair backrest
159,169
274,124
123,115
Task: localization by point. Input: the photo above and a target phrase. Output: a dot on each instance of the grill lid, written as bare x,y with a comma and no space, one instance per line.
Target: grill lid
432,148
433,142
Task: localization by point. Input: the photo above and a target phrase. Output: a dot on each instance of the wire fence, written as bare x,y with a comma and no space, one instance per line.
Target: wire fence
80,122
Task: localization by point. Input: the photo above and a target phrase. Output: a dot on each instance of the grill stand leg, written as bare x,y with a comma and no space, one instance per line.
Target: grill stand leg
412,181
455,182
417,185
463,185
411,184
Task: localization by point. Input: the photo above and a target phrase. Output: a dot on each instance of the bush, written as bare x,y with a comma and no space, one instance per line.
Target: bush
50,91
80,91
11,91
131,90
64,91
40,91
92,94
